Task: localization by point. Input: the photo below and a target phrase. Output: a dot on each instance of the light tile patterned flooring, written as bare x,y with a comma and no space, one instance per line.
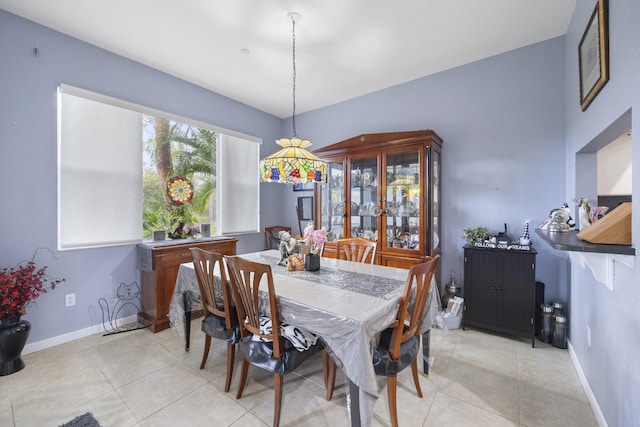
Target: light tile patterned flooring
143,379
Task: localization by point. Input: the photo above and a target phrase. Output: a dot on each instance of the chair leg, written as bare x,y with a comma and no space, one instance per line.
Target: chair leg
325,367
243,378
207,345
414,370
231,352
277,381
329,369
391,393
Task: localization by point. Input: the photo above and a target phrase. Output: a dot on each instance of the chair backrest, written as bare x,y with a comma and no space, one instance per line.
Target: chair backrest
417,285
213,284
271,239
357,249
246,278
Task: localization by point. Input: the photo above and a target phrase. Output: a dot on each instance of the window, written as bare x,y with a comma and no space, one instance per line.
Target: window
115,159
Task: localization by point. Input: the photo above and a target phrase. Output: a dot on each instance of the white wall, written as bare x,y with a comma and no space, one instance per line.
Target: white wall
614,167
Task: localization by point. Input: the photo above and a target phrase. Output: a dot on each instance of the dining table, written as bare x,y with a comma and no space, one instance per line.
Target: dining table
346,303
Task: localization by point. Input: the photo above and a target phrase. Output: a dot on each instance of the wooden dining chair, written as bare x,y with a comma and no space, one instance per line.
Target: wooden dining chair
357,249
262,343
271,239
400,342
220,319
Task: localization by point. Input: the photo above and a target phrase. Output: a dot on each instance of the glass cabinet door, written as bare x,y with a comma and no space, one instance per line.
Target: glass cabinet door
435,203
363,208
402,203
332,215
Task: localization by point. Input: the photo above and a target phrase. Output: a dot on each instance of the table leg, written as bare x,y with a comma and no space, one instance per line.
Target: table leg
426,344
354,404
187,321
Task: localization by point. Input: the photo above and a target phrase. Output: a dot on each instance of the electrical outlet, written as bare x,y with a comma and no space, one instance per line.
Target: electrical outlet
70,299
588,336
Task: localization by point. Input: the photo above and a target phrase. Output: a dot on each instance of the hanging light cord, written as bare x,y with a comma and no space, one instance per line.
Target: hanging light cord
294,77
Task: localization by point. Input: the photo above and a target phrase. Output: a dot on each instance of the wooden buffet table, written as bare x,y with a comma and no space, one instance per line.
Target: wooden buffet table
158,263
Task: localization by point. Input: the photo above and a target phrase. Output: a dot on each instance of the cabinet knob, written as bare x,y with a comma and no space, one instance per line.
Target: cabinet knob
493,288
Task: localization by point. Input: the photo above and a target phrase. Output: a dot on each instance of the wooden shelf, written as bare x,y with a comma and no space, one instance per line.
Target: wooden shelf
570,242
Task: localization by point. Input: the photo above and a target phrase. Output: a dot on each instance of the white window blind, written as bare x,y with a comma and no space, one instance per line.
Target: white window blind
238,171
100,172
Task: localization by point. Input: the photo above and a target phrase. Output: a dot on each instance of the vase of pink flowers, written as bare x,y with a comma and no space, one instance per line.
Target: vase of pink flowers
314,241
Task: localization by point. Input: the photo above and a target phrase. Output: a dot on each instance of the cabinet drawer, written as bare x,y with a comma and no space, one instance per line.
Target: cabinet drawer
177,255
400,262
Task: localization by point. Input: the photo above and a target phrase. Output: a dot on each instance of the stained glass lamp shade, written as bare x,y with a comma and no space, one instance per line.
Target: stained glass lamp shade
293,164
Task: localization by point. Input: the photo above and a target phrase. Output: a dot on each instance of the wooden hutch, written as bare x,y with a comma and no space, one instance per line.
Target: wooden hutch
384,187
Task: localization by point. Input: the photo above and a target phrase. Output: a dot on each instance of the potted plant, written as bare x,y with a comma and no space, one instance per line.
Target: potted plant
19,286
313,240
473,235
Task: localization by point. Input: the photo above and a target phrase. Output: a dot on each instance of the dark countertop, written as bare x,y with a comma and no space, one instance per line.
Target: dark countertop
570,242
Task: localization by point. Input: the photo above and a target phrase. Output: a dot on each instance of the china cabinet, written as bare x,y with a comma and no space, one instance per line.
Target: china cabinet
384,187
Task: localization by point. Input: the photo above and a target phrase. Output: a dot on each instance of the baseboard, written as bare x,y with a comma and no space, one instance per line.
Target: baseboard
75,335
587,389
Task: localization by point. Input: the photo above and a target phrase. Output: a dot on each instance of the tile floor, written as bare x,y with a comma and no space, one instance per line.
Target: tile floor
147,380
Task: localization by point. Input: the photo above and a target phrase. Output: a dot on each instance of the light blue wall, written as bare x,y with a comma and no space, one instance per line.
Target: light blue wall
28,206
502,122
611,363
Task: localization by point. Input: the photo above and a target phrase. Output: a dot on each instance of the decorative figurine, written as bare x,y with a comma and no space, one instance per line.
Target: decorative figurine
177,233
288,246
525,239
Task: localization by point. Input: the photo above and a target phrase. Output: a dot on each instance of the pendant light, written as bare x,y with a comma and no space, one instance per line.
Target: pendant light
293,164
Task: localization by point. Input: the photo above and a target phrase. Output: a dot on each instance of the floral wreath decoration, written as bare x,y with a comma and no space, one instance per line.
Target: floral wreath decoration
180,190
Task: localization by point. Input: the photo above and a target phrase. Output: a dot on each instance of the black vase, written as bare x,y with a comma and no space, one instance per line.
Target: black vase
312,262
13,337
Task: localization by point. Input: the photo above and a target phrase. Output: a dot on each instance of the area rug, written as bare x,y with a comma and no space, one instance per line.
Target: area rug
84,420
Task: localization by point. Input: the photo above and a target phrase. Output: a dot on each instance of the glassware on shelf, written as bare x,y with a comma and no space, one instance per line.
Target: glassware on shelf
368,209
356,178
367,177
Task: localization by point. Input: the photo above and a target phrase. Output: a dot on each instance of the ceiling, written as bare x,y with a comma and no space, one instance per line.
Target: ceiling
242,49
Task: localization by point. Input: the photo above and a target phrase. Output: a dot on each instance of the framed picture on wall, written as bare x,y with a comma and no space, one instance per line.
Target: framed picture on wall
303,187
593,55
305,208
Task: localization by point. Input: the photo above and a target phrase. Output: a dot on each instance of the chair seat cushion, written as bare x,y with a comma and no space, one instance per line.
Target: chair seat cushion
297,337
216,327
260,354
382,362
